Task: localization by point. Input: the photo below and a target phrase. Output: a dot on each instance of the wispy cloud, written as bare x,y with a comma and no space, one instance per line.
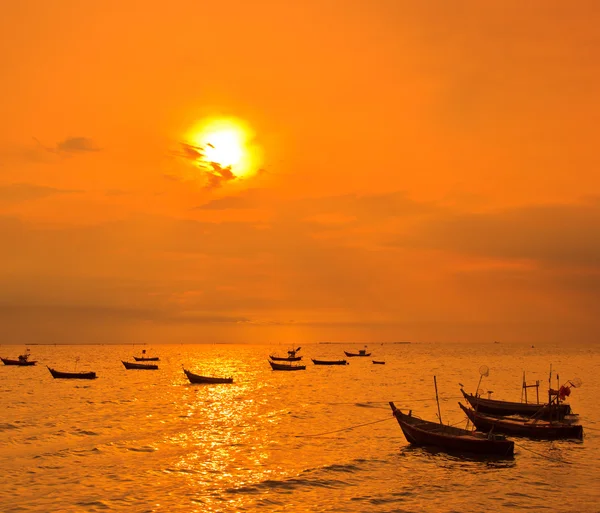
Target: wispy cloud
19,192
77,144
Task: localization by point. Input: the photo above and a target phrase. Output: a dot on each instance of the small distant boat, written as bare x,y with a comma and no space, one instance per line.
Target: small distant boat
361,352
378,363
285,366
140,366
22,360
329,362
145,358
451,439
197,379
291,357
72,375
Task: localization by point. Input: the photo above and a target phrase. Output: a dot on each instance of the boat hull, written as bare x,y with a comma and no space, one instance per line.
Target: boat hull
357,354
378,363
536,429
329,362
285,358
72,375
139,366
451,439
496,407
286,367
146,359
207,380
20,363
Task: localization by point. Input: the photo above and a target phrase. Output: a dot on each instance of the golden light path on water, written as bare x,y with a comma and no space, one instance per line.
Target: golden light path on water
151,441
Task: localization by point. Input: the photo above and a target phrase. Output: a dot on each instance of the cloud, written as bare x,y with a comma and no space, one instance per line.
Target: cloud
558,234
19,192
76,145
215,174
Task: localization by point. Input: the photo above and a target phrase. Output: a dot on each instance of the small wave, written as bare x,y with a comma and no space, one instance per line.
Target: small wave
288,485
93,504
7,425
142,449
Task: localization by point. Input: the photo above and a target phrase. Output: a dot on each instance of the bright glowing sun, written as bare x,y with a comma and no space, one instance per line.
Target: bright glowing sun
227,143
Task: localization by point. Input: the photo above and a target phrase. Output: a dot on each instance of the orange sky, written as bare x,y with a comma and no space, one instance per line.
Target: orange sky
431,171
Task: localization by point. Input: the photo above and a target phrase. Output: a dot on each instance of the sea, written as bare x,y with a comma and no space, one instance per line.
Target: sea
318,440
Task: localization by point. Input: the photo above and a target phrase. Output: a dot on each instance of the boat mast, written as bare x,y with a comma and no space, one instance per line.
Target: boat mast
437,400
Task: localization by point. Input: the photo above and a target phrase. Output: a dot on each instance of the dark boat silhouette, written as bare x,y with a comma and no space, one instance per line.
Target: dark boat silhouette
139,366
529,428
198,379
361,352
71,375
285,366
451,439
503,408
329,362
291,357
378,362
22,360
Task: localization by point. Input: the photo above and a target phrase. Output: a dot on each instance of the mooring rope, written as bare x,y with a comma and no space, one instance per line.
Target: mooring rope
543,455
344,429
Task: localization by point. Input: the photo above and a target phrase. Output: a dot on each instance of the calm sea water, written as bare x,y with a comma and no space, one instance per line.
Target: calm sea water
148,441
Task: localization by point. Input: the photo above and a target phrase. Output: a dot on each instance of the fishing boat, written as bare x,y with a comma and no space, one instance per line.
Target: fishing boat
71,375
530,428
198,379
361,352
291,357
378,363
329,362
140,366
504,408
286,366
451,439
145,358
22,360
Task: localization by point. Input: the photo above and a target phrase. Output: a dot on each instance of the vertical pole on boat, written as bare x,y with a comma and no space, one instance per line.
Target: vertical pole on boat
550,393
437,399
524,389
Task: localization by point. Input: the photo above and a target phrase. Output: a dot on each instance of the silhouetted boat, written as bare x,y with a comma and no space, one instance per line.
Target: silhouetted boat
285,358
72,375
286,366
197,379
496,407
451,439
378,363
291,357
530,428
361,352
140,366
22,360
145,358
329,362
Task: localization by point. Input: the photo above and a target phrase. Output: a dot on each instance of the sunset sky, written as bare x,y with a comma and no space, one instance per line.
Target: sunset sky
423,171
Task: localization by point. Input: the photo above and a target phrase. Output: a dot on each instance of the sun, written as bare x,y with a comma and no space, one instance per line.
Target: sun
228,143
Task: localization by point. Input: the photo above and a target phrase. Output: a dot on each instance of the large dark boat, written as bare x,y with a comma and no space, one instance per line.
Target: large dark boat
530,428
198,379
285,366
497,407
71,375
140,366
329,362
22,360
451,439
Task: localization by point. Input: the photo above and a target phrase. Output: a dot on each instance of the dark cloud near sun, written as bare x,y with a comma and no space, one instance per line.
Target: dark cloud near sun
20,192
215,174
